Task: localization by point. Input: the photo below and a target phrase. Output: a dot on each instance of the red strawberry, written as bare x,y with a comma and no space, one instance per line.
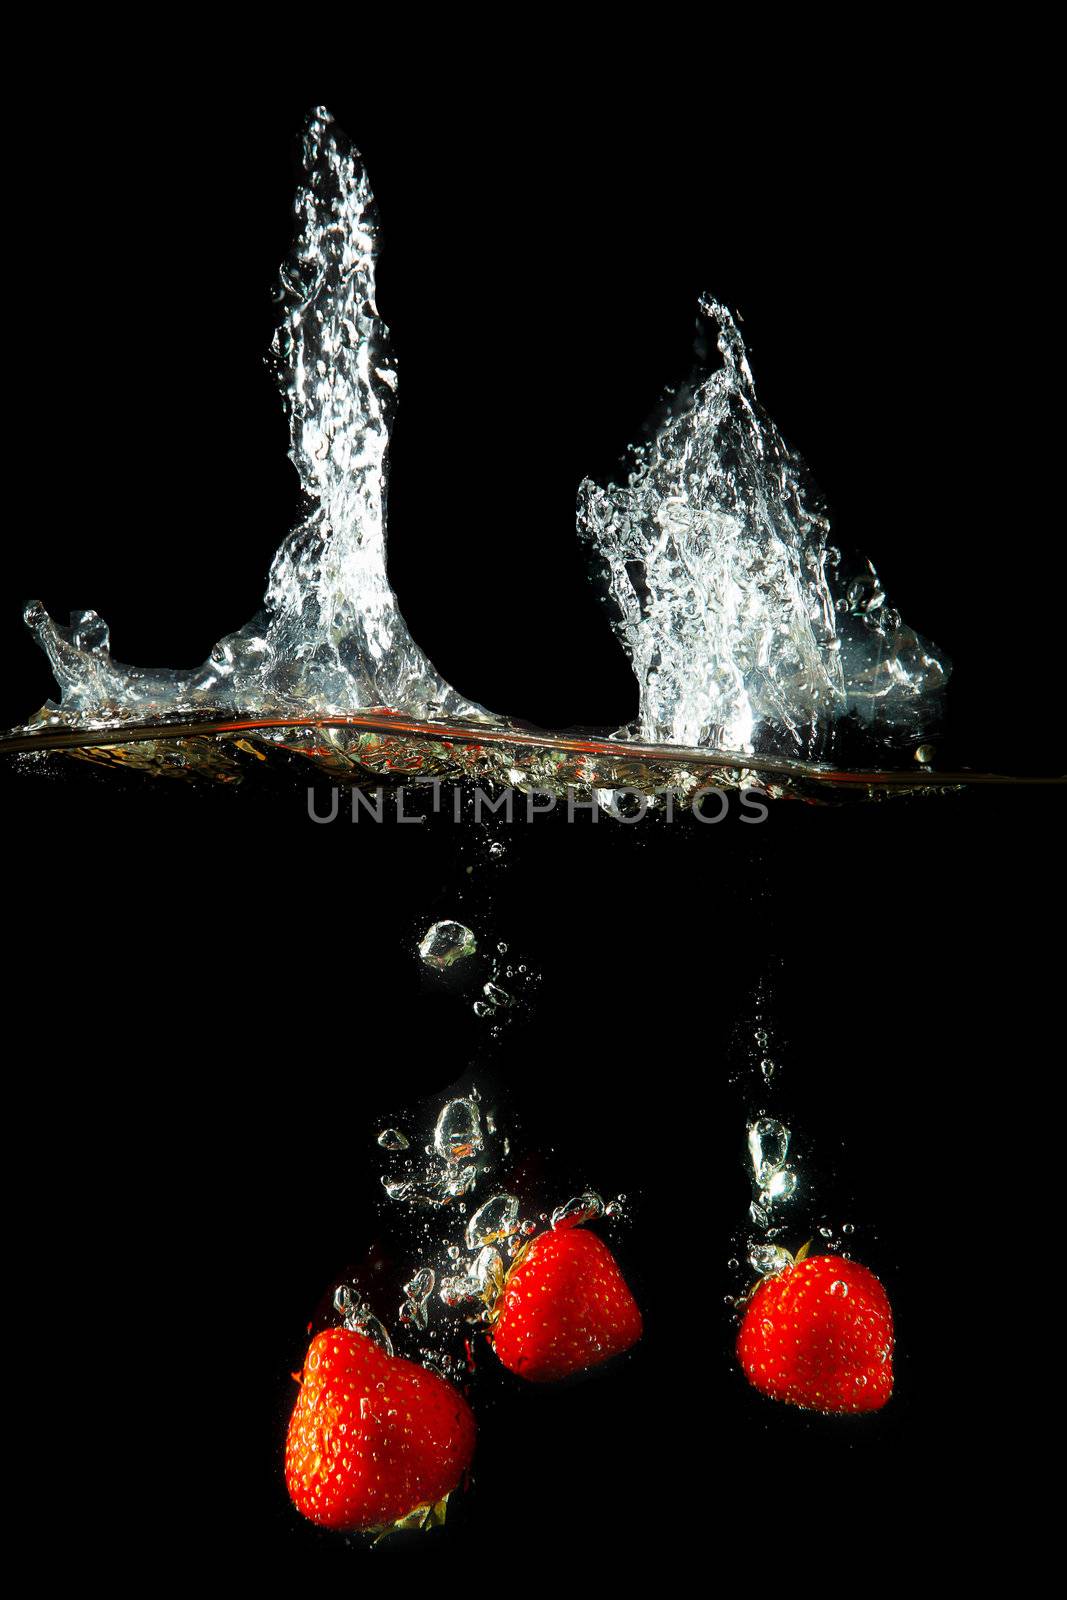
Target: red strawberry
564,1307
372,1437
820,1335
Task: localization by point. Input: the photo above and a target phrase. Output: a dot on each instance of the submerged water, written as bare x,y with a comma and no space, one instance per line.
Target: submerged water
745,629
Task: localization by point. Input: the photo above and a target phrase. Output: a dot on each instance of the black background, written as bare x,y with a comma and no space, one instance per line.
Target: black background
218,1003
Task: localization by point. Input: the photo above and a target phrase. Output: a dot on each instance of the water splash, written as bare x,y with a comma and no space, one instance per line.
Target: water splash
744,628
330,636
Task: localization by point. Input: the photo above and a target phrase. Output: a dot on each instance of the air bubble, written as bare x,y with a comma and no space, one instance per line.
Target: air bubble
393,1139
496,1219
581,1208
458,1132
445,944
417,1293
769,1259
768,1146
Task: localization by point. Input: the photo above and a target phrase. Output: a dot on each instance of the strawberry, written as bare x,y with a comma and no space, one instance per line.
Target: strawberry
372,1437
820,1335
564,1307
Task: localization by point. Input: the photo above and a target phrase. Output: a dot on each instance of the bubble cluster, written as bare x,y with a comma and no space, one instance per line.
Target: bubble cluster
774,1181
460,1248
784,1224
